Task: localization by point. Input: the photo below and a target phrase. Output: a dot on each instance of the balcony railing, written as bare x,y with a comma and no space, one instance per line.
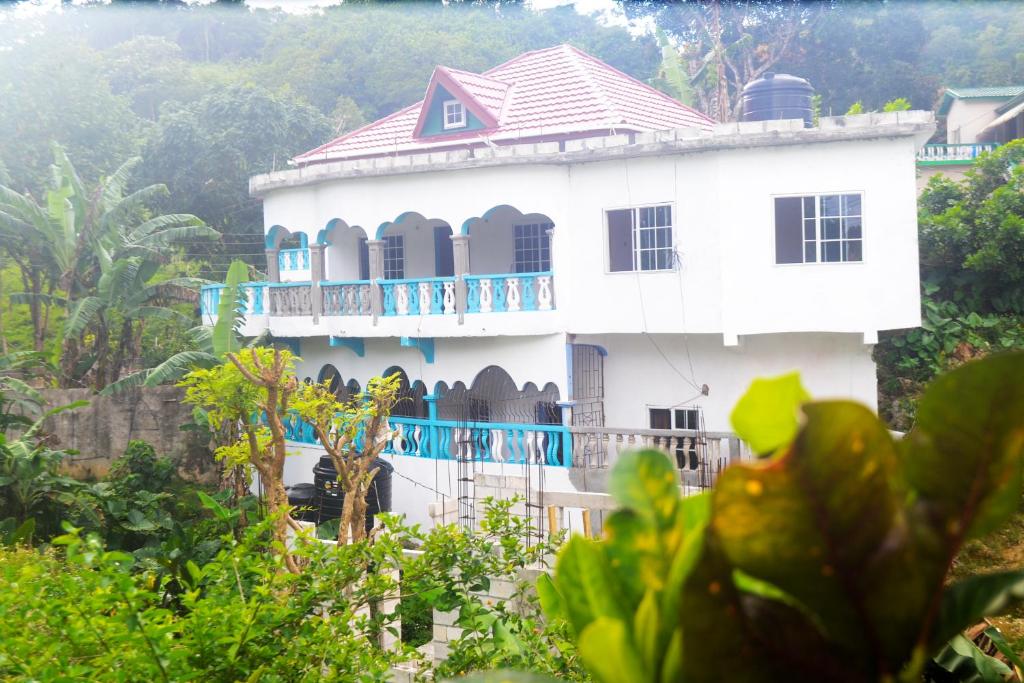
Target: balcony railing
451,440
255,299
347,298
290,298
424,296
509,293
293,259
936,155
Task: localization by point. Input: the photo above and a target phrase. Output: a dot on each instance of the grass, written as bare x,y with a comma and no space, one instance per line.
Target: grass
1002,550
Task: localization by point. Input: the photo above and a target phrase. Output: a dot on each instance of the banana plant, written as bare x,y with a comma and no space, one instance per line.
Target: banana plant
825,559
212,344
93,251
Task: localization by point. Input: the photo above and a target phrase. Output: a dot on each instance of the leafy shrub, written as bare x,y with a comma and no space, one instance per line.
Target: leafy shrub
829,560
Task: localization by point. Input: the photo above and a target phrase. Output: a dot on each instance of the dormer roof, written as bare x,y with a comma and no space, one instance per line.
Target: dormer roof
553,94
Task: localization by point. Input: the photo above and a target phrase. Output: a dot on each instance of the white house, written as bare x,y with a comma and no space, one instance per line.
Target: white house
558,256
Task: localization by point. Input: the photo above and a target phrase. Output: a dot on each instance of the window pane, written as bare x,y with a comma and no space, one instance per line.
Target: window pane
809,229
788,231
661,418
830,205
664,215
646,217
830,228
810,249
809,207
830,252
664,237
664,258
852,227
686,419
646,239
620,240
647,260
853,250
851,204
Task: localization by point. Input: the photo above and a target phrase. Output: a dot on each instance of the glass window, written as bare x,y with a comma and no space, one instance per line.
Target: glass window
532,248
829,227
640,239
394,257
454,114
680,419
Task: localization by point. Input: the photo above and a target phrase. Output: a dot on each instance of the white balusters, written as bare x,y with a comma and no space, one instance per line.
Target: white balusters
498,445
402,299
424,291
449,298
545,298
513,296
486,296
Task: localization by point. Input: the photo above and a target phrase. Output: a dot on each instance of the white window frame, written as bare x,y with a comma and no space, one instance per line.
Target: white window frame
637,249
818,229
454,107
529,248
394,252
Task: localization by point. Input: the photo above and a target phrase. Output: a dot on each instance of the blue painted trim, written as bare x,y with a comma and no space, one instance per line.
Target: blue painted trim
487,214
289,284
424,344
354,343
398,221
568,371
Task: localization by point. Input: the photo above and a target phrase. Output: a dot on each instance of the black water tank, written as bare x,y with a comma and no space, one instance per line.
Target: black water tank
303,497
330,497
778,96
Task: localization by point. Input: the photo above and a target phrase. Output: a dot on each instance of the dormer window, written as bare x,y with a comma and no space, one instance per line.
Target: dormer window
454,114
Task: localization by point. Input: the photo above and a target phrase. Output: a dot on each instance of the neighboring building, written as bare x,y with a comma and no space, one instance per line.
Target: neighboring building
977,120
559,258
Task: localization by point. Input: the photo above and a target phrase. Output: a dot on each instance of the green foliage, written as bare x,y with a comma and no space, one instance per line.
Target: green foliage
855,108
898,104
458,566
828,561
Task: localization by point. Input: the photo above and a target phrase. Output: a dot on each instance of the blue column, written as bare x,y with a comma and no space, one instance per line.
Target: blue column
431,400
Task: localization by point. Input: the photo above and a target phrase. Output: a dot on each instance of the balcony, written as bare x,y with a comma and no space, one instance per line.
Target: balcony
942,155
413,267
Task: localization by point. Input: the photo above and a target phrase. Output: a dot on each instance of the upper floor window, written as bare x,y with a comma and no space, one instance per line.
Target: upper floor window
454,114
824,228
532,248
394,257
679,418
640,239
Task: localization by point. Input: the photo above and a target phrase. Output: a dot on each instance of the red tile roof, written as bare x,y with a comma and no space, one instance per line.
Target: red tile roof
549,94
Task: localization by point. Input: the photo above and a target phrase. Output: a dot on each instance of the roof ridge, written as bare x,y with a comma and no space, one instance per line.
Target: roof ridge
597,90
522,56
650,88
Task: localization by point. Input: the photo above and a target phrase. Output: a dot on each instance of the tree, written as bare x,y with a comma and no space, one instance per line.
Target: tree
353,433
727,45
93,251
207,151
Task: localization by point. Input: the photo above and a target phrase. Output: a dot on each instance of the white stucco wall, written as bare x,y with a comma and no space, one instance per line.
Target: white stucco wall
723,214
967,118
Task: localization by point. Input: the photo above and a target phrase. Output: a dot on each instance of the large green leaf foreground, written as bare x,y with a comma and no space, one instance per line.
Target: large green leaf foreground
825,561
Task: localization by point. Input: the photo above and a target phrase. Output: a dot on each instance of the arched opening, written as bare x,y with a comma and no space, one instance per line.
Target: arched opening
494,397
409,401
330,374
505,240
293,252
346,254
416,247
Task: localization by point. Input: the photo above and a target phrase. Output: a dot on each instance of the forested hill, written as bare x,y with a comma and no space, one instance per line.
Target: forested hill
209,95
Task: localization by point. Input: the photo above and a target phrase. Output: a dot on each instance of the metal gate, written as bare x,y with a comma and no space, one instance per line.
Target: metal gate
588,403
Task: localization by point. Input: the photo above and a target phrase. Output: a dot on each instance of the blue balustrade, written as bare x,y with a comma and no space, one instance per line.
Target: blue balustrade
293,259
450,440
254,293
506,293
419,296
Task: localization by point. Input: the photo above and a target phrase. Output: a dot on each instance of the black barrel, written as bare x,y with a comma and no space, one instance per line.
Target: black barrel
778,96
331,499
303,497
